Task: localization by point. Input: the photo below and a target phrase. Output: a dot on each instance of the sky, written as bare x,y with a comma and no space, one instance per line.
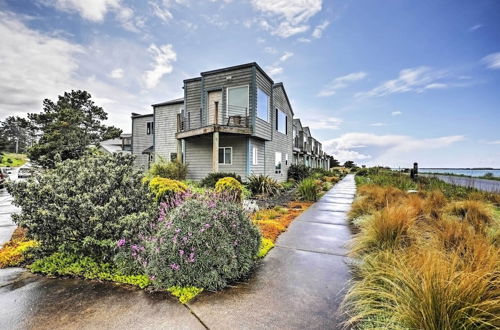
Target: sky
379,82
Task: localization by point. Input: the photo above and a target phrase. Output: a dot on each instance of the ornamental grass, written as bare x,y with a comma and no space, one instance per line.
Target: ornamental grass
426,260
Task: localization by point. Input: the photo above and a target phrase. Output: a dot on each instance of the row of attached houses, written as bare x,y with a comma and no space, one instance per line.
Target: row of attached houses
235,119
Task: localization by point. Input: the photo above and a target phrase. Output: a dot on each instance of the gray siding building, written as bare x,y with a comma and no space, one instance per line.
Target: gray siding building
235,119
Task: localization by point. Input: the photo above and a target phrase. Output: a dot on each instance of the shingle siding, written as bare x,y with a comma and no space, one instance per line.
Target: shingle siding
165,129
141,140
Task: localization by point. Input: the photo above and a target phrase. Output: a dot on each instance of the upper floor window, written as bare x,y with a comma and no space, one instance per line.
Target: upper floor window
237,101
255,156
150,129
262,105
281,122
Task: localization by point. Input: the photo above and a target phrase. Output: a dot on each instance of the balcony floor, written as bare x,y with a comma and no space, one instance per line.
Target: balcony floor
214,128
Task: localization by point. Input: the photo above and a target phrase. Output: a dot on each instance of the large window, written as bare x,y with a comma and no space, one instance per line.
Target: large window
255,156
281,121
237,101
277,163
149,128
262,105
225,155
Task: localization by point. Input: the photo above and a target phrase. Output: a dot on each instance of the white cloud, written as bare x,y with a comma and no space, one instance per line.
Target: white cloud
409,80
396,113
270,50
92,10
341,82
383,148
492,61
318,30
34,66
163,58
286,56
274,70
378,124
323,123
161,12
116,73
475,27
304,40
493,142
286,18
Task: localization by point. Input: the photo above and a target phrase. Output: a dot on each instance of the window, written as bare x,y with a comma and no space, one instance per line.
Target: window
173,156
286,159
237,101
225,155
281,121
255,156
277,163
150,128
262,105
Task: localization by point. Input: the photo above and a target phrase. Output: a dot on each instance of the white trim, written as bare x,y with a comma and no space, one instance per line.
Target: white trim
227,98
255,155
224,153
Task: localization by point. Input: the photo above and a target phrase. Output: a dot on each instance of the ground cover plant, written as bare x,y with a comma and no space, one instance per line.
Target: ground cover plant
16,251
428,259
12,159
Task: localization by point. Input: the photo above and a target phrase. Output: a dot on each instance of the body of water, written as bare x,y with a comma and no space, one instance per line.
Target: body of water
460,171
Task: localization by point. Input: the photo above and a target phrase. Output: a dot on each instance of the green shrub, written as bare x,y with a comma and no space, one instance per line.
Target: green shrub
265,246
211,179
206,242
64,264
230,187
308,190
289,185
163,188
81,206
171,170
263,185
298,172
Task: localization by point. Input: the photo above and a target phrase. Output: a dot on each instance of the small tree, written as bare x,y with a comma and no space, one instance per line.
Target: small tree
334,162
349,164
68,127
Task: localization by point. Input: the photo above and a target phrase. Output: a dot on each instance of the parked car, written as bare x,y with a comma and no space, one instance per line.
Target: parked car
24,172
4,176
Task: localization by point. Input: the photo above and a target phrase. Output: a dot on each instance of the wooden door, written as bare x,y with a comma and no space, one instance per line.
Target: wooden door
214,101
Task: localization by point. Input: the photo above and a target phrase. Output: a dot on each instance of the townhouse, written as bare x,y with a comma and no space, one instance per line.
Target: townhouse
234,119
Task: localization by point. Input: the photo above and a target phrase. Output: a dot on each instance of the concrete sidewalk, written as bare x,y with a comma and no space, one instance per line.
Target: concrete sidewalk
299,286
301,282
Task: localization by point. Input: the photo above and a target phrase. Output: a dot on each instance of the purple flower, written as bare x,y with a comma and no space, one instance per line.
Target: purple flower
175,267
181,252
191,257
121,242
152,278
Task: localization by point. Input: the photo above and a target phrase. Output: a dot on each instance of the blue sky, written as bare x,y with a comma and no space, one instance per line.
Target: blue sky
378,82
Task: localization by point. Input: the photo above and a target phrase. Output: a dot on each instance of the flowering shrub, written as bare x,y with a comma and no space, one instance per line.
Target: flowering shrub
265,246
231,187
205,242
164,189
211,179
14,252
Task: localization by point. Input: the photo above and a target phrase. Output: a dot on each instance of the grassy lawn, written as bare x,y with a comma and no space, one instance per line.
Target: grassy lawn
12,160
427,259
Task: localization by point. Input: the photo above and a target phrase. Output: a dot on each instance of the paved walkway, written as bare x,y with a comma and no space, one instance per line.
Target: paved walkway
302,281
299,286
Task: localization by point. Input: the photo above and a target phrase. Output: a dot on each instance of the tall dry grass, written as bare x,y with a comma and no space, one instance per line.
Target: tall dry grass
426,261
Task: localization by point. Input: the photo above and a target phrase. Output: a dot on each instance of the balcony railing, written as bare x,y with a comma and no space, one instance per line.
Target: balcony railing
234,116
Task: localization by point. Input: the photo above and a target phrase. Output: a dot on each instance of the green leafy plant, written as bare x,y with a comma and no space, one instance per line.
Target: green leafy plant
211,179
298,172
185,294
82,206
263,185
265,246
308,190
231,187
171,170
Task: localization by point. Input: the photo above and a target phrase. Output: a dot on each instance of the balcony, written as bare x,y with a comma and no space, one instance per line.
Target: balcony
235,120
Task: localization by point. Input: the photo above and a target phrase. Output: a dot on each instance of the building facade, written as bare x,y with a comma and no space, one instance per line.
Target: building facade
235,119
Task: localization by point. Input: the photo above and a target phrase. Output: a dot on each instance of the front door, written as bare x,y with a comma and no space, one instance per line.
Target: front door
214,105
